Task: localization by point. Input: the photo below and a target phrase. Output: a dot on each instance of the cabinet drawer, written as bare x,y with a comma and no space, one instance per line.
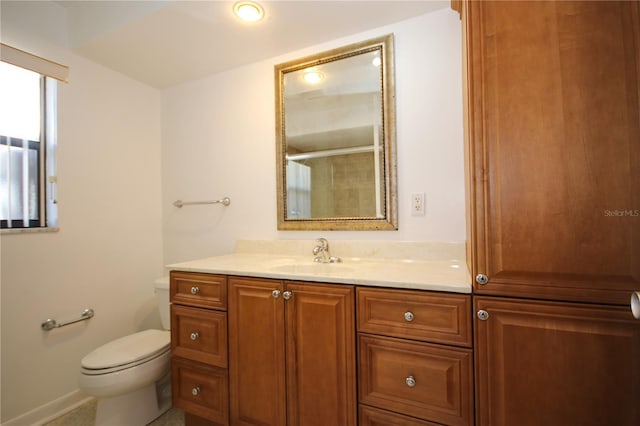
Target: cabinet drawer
199,334
370,416
202,290
422,380
419,315
201,390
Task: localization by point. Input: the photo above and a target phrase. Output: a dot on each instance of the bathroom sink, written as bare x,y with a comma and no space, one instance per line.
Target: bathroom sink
311,268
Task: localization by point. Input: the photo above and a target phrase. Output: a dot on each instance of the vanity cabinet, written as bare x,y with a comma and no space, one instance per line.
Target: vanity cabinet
552,144
415,364
199,361
255,351
292,353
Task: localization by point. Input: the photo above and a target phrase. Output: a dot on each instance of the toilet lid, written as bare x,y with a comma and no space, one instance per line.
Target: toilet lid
128,349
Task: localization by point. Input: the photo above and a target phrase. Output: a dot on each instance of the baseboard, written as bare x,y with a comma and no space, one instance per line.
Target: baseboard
51,410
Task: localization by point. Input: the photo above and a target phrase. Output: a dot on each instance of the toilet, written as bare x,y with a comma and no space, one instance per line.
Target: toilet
130,375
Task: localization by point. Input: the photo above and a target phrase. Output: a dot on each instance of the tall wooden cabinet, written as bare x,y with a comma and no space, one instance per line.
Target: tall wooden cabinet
554,148
291,353
552,129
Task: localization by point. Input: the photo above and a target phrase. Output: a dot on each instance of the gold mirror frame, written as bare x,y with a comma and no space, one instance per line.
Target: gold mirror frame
389,220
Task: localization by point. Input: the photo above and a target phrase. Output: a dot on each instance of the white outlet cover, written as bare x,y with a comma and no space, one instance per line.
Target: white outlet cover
417,204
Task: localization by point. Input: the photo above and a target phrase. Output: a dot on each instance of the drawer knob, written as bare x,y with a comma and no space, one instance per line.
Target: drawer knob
195,391
275,294
195,290
287,295
482,279
408,316
195,335
483,315
411,382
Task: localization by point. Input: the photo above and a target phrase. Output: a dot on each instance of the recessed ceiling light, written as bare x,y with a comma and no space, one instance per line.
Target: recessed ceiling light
376,61
248,11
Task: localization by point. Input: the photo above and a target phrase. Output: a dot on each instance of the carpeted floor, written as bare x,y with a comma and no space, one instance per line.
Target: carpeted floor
85,415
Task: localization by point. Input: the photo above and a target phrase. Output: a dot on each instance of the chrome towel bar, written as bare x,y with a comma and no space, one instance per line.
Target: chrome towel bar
50,324
224,201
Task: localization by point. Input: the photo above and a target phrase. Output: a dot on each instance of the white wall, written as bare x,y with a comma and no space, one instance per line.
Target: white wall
218,139
108,250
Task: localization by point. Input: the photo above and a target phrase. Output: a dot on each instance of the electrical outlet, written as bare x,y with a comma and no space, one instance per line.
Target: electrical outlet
417,204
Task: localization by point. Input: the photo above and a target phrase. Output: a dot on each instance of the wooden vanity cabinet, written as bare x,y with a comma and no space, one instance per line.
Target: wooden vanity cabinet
415,364
253,351
200,380
291,353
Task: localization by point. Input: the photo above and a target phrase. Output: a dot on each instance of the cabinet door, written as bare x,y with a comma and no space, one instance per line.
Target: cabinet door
546,363
256,352
553,127
321,372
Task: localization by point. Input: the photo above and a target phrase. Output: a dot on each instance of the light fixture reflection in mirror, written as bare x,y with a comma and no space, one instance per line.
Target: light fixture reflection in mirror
313,76
335,136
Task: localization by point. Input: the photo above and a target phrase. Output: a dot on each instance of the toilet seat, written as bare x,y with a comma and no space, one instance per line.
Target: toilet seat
126,352
102,371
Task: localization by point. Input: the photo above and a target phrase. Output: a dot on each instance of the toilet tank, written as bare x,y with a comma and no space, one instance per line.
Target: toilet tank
162,296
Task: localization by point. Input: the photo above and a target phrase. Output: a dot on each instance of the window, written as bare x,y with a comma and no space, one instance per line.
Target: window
27,142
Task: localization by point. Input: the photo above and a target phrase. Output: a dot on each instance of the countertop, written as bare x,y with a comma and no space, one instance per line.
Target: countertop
409,272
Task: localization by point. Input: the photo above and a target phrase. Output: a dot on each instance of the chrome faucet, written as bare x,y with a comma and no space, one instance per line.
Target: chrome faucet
322,249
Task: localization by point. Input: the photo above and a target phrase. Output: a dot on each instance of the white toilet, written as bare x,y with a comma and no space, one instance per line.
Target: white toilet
130,375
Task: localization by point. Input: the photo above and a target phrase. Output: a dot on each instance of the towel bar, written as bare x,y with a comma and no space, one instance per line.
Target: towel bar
50,324
224,201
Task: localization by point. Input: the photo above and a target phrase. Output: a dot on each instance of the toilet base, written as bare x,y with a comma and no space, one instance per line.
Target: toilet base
136,408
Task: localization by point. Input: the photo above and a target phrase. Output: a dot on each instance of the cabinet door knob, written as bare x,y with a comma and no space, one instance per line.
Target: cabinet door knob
635,304
195,335
275,294
411,381
287,295
408,316
483,315
195,290
195,391
482,279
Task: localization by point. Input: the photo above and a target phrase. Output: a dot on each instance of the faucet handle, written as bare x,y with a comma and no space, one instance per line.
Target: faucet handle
323,242
322,249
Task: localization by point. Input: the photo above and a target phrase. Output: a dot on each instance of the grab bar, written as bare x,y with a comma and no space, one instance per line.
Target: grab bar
224,201
50,324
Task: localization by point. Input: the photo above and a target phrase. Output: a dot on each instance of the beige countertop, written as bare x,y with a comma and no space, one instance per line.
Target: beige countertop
423,266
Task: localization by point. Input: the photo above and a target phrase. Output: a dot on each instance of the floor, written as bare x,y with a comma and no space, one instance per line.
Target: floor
85,415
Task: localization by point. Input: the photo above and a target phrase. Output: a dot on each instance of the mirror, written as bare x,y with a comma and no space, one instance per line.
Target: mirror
335,139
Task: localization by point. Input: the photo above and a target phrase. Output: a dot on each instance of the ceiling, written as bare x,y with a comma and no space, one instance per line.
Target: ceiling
166,42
